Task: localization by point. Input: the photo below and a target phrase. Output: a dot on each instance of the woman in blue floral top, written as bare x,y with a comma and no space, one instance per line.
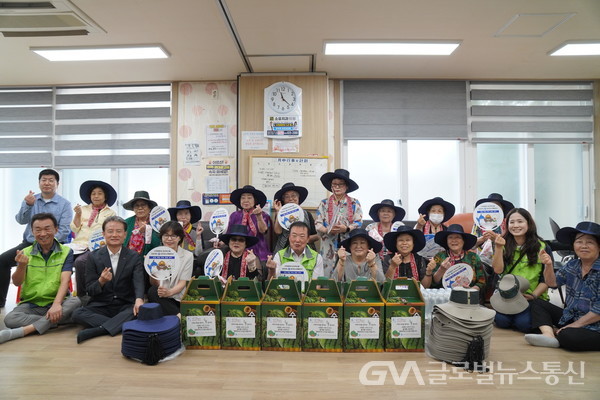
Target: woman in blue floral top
579,322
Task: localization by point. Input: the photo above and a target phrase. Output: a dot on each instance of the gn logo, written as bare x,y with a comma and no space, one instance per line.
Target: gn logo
374,373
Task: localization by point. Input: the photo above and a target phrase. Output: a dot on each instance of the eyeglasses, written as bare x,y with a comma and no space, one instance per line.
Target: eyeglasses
170,237
338,185
140,205
237,239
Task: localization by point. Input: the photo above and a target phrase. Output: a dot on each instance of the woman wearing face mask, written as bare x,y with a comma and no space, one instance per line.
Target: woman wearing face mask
290,193
457,250
250,202
383,214
432,214
521,252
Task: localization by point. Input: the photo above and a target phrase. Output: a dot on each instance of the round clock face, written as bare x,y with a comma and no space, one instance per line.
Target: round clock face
282,98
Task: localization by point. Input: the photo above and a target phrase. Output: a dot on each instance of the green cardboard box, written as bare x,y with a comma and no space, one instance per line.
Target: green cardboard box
240,315
281,321
404,315
200,314
322,313
363,317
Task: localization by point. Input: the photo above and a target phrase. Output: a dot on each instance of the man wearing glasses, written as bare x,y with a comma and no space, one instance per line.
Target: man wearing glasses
47,201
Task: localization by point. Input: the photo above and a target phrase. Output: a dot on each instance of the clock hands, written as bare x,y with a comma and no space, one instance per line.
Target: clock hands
283,98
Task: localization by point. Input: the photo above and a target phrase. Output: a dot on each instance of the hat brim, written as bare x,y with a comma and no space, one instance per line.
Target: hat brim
567,235
441,238
86,188
130,203
419,241
160,325
259,197
328,177
195,213
250,240
449,208
374,212
467,312
510,306
302,192
373,244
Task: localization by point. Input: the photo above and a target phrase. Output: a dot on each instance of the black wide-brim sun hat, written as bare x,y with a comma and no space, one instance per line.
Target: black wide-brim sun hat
567,234
497,197
140,195
85,190
373,244
339,173
239,230
390,239
374,210
447,206
441,238
259,197
195,211
288,187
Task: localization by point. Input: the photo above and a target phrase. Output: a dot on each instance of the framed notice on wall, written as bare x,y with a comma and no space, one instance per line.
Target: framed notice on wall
269,173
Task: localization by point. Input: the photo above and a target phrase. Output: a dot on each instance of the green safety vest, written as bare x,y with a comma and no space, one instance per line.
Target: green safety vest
309,258
42,278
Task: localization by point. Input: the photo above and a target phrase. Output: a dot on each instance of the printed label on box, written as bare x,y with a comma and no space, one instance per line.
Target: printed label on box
240,327
406,327
201,325
281,328
364,328
322,328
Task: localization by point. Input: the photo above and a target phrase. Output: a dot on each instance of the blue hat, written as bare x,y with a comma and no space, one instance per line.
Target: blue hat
373,244
447,206
418,238
152,336
239,230
441,238
85,190
567,235
374,211
195,211
259,197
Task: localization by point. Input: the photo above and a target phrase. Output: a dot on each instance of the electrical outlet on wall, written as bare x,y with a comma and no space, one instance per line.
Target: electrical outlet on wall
215,94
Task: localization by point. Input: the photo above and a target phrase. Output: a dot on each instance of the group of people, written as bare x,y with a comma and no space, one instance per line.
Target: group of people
115,284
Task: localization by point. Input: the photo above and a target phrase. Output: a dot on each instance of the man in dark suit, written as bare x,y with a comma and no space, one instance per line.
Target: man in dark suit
114,280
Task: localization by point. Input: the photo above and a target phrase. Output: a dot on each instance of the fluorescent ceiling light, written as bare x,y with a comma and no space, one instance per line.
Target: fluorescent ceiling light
101,53
424,48
578,49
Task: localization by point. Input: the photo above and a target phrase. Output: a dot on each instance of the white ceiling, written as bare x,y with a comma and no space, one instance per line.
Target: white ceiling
288,36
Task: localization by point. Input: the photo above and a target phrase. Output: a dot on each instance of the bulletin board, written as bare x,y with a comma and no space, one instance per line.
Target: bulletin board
269,173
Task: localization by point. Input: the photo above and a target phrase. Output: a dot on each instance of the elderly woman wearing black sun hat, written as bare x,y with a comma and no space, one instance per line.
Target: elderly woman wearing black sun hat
357,257
290,193
403,260
337,215
579,322
383,214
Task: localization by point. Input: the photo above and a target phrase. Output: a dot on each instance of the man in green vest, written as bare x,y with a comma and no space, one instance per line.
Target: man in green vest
44,273
297,251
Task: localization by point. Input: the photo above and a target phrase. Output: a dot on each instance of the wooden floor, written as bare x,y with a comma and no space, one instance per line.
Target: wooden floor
53,366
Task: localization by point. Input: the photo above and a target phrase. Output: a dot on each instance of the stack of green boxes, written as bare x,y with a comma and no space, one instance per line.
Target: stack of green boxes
322,317
240,315
404,315
281,325
363,317
200,314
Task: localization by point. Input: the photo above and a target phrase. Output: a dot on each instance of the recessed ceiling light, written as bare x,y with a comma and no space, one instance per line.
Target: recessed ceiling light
101,53
381,48
578,49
